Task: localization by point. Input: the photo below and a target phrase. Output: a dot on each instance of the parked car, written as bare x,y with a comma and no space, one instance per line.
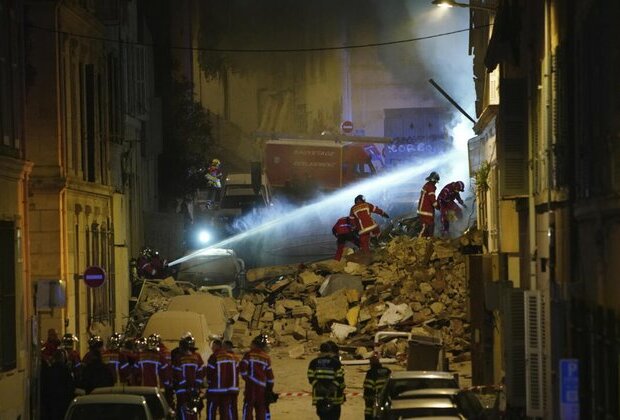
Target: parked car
468,404
213,267
402,382
158,406
108,406
427,408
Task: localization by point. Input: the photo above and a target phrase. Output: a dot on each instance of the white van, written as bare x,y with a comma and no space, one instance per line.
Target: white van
172,325
239,196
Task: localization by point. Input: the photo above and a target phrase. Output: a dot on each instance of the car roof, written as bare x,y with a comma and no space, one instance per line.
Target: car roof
430,374
129,389
437,402
109,398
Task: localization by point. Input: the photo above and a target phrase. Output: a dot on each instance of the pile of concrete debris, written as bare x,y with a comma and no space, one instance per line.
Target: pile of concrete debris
414,285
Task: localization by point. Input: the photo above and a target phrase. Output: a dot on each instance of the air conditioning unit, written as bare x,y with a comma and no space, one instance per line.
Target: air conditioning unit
51,294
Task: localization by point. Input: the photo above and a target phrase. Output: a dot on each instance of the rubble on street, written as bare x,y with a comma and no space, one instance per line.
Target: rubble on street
409,284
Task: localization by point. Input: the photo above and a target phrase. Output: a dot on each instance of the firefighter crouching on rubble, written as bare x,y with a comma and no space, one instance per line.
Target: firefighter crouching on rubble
362,212
255,368
345,230
188,377
326,376
449,210
375,380
222,383
427,205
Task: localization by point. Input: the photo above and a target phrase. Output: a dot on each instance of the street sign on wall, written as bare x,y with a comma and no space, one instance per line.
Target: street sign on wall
569,389
347,127
94,276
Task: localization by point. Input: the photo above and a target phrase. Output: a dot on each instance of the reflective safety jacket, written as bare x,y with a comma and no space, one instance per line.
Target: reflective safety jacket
344,225
375,380
255,368
188,371
222,376
118,365
362,213
149,369
326,375
448,194
428,202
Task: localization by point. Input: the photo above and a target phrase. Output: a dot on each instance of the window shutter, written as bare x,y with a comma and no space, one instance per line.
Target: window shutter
514,345
512,138
534,344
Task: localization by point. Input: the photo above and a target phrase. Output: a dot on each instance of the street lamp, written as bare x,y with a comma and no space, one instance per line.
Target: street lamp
453,3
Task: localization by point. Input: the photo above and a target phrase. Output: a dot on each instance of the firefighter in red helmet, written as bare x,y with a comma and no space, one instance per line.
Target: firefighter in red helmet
345,230
450,211
427,205
362,212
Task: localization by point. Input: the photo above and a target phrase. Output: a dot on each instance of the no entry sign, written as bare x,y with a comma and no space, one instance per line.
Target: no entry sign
347,127
94,276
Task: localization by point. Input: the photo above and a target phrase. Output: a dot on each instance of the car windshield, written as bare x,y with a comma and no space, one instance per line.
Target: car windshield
107,412
398,387
155,407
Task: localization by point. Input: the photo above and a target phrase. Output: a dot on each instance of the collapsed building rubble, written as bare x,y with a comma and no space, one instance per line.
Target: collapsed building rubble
414,285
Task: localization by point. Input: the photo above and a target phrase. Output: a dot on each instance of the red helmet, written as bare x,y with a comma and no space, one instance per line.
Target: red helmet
459,186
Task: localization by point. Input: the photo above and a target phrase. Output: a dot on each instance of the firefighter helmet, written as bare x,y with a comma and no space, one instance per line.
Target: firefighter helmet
459,186
187,341
115,341
95,342
140,344
152,342
261,341
360,199
433,177
68,341
215,162
146,251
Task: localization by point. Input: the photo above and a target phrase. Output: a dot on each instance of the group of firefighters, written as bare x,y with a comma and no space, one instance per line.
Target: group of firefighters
359,227
181,373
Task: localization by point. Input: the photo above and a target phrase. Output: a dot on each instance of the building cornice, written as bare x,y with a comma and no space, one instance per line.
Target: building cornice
14,169
485,118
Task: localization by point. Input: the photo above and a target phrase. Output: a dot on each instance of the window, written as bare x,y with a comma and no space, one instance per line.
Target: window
8,352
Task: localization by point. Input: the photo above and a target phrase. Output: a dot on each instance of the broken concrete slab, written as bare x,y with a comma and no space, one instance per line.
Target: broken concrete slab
395,314
336,282
260,273
341,331
331,308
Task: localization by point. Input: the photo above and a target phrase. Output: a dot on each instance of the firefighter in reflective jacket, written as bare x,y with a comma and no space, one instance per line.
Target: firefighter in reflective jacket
326,376
255,368
117,362
222,383
375,380
74,361
151,366
188,373
450,211
427,205
345,230
362,211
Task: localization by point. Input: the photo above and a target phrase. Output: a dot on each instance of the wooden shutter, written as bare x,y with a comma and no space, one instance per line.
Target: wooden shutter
534,345
512,142
514,345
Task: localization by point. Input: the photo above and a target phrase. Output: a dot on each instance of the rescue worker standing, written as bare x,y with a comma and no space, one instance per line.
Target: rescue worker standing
345,230
362,212
234,395
214,180
50,346
74,362
427,205
188,373
375,380
150,365
222,382
255,368
117,362
95,373
326,375
449,210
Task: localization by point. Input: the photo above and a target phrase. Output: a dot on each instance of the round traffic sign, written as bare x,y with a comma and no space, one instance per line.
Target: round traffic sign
94,276
347,127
